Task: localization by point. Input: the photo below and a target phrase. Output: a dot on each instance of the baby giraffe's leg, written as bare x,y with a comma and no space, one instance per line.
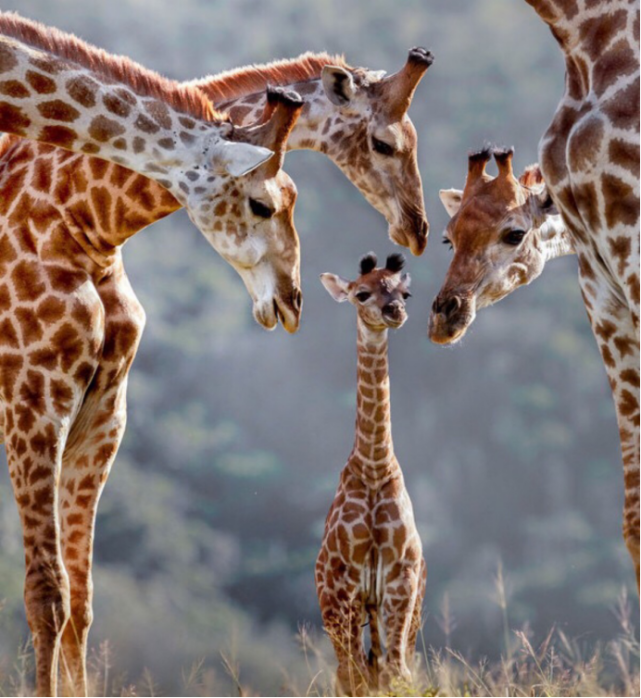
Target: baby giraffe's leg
417,615
401,554
341,599
90,453
343,621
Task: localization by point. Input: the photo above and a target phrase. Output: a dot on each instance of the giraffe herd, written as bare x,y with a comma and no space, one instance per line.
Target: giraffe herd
97,147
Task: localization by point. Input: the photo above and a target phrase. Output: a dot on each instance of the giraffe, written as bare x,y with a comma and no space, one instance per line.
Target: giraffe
59,90
69,330
371,558
589,159
503,231
357,117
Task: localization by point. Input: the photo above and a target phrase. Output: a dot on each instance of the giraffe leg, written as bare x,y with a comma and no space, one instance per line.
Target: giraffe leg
342,609
400,592
84,474
417,614
618,340
34,465
87,461
343,621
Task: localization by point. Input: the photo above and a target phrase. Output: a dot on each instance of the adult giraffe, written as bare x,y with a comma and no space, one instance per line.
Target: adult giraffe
355,116
69,322
589,158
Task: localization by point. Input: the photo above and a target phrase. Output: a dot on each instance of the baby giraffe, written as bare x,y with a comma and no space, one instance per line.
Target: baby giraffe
371,560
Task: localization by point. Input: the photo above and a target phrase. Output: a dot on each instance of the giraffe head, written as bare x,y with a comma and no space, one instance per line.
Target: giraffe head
374,142
502,231
379,294
254,218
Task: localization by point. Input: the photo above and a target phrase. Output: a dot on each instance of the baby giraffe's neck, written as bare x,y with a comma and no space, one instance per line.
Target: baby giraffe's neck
372,459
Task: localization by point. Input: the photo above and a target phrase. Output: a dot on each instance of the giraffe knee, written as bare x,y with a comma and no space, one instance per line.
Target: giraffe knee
47,599
81,616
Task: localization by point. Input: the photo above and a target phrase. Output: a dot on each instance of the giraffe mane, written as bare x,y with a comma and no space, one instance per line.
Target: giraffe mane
144,82
231,84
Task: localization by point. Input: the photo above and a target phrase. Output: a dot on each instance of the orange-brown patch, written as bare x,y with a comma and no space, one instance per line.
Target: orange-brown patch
41,180
61,396
8,334
103,129
83,90
14,88
67,342
57,110
13,119
61,136
42,84
32,392
27,280
116,105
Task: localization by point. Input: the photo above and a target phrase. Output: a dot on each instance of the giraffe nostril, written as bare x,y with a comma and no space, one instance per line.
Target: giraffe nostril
447,307
297,298
451,306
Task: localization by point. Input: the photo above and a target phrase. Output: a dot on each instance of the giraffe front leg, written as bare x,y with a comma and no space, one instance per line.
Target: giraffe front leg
342,610
618,340
34,449
400,593
417,614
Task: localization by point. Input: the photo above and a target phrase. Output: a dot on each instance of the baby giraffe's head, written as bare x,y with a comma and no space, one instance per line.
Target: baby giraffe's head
379,293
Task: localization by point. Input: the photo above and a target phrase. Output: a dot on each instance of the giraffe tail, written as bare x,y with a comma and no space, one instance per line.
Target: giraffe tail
371,608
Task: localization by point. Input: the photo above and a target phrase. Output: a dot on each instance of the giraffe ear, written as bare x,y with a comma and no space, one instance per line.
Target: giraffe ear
451,199
238,159
337,287
338,84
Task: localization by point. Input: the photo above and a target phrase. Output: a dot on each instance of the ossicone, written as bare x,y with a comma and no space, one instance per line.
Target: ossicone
367,263
395,262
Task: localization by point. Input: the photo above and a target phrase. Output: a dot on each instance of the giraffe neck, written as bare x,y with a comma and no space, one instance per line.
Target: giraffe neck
372,458
59,102
577,23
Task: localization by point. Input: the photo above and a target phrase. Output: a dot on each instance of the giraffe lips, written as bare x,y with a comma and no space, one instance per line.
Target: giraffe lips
440,331
269,314
289,316
414,237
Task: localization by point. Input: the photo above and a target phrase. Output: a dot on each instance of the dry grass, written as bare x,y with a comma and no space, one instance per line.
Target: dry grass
558,666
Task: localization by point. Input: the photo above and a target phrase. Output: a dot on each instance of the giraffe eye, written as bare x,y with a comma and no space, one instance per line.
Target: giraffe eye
514,237
381,147
363,296
259,209
407,295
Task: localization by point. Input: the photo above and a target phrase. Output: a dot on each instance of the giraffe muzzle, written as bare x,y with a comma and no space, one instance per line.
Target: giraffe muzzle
451,315
411,233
